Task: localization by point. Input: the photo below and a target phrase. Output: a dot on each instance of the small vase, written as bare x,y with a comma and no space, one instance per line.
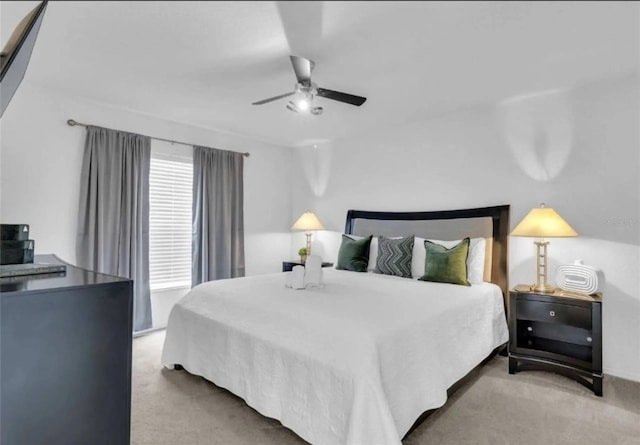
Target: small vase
303,258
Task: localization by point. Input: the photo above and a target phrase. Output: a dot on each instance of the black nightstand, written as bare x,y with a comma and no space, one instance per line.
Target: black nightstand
559,332
288,265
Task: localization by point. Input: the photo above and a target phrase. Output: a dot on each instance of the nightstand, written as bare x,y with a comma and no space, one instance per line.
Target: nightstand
288,265
559,332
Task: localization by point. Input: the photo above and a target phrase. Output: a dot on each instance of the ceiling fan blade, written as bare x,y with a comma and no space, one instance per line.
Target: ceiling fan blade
271,99
341,97
302,68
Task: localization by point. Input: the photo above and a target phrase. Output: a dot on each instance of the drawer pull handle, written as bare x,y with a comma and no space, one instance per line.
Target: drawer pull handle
589,339
529,329
552,313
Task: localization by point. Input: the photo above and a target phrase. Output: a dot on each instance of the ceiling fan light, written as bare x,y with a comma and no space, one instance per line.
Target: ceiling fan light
303,104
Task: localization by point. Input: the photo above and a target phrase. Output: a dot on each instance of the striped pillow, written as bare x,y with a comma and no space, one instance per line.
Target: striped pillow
394,256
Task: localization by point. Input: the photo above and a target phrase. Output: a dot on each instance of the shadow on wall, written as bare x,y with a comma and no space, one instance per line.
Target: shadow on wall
538,128
315,158
578,152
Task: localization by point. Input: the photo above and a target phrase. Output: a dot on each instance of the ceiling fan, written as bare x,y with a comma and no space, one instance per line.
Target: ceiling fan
306,90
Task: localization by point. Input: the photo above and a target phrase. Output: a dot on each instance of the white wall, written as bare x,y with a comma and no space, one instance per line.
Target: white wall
576,150
41,158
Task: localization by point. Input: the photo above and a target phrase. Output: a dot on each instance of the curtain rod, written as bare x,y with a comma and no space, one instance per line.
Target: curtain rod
73,123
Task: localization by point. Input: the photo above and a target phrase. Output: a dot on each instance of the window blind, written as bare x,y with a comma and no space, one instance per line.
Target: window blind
170,201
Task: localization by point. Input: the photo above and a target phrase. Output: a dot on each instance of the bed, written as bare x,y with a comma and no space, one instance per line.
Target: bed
358,360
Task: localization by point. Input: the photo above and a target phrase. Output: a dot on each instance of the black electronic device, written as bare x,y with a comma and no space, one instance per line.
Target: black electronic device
14,232
16,54
16,252
20,271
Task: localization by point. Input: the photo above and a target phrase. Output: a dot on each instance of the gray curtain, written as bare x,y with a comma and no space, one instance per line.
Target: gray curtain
218,220
113,218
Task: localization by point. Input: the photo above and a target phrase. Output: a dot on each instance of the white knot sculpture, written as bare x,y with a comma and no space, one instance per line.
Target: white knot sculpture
577,277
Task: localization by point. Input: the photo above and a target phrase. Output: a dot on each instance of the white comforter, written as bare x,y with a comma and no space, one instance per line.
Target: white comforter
355,362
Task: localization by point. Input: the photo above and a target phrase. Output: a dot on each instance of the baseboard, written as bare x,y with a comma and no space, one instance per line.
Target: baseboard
148,331
622,375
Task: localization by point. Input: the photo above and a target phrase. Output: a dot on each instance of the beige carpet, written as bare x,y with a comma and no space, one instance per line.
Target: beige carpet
493,407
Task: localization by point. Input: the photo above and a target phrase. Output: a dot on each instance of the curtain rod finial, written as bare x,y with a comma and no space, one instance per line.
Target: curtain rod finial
71,123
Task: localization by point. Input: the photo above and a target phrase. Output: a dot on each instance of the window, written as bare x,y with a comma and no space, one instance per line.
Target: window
170,200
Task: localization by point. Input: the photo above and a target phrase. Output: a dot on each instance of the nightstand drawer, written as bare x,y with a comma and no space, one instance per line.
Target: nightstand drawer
554,312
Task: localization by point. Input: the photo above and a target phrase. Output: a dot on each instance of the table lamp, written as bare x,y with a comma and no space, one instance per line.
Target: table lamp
543,222
308,221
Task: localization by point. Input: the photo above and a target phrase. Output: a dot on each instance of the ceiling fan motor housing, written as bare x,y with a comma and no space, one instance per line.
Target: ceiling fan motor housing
312,88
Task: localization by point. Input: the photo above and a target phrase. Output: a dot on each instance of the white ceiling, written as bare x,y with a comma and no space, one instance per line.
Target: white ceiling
203,63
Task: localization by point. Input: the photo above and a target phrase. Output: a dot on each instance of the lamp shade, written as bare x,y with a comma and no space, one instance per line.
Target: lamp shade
543,222
307,221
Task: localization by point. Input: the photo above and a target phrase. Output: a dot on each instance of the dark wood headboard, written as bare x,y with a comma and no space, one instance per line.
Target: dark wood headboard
499,232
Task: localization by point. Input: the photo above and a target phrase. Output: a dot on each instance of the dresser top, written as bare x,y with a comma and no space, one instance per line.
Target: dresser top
73,277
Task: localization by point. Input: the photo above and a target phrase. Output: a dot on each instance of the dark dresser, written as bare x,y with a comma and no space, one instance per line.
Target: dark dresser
559,332
65,359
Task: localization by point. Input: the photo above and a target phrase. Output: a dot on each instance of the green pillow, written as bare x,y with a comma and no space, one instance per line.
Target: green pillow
446,265
354,254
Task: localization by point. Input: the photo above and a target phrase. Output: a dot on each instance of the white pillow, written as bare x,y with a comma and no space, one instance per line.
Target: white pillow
475,259
373,254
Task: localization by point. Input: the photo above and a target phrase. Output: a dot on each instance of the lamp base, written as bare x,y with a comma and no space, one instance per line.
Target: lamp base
308,243
543,288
